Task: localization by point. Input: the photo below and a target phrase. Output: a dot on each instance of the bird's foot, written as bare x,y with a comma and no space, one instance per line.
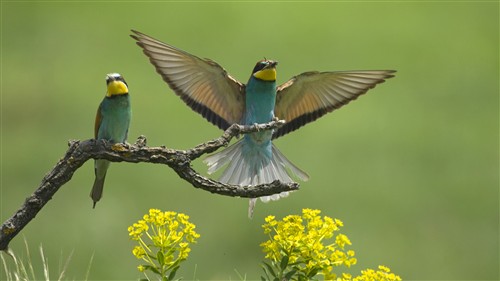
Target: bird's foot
119,147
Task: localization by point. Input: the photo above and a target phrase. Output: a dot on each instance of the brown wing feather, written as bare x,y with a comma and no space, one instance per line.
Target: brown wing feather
97,124
202,84
310,95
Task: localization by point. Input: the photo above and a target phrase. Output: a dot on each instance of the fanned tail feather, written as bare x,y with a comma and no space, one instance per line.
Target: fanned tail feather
277,155
255,169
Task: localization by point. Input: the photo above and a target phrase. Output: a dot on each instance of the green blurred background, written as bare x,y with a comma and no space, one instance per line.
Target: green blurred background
412,168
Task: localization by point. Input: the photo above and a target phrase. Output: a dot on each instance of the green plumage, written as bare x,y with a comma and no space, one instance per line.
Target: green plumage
112,123
210,90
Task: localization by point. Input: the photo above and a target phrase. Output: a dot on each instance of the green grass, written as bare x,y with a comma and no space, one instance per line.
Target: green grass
22,268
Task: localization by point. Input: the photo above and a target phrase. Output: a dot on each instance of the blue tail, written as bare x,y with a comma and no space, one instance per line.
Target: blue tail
253,168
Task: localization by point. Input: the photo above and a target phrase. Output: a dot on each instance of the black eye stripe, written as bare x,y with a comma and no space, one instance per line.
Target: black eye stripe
259,66
120,78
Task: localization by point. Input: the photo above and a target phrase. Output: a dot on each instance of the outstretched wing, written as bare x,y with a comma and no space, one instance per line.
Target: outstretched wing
310,95
202,84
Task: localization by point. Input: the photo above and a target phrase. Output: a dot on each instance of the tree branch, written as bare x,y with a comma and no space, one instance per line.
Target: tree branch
179,160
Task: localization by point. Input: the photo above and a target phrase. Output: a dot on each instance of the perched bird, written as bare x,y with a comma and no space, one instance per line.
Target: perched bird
209,90
111,124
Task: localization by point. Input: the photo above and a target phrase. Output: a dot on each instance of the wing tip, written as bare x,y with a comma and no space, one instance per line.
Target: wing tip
390,73
377,77
136,34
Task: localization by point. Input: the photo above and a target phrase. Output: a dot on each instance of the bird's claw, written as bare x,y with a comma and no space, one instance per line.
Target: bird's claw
119,146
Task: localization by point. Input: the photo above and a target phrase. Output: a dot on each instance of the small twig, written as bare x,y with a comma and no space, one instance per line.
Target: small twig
80,152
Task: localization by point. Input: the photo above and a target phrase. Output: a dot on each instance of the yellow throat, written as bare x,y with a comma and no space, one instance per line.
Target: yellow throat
266,74
116,88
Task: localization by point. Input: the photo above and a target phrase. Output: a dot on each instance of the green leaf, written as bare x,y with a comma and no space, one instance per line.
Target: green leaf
174,264
270,269
295,263
267,274
171,250
151,256
171,276
160,257
262,278
152,268
284,262
313,273
302,277
289,274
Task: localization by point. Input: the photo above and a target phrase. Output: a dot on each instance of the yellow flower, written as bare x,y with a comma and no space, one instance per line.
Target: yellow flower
183,219
346,276
383,274
341,240
270,219
137,229
384,268
166,240
138,252
184,250
301,240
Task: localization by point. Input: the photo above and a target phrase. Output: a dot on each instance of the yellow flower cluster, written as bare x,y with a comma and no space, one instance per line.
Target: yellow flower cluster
383,274
299,243
163,241
176,225
297,250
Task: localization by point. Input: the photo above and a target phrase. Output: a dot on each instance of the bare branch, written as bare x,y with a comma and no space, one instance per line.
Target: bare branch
179,160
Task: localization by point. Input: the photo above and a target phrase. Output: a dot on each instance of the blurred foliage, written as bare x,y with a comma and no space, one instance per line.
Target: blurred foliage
413,166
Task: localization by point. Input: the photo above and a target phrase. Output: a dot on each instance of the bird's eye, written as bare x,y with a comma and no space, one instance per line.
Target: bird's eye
259,66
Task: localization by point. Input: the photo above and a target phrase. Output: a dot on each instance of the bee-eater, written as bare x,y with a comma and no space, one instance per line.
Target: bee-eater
209,90
111,124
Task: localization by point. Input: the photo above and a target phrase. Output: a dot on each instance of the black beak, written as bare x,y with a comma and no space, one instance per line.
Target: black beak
272,64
